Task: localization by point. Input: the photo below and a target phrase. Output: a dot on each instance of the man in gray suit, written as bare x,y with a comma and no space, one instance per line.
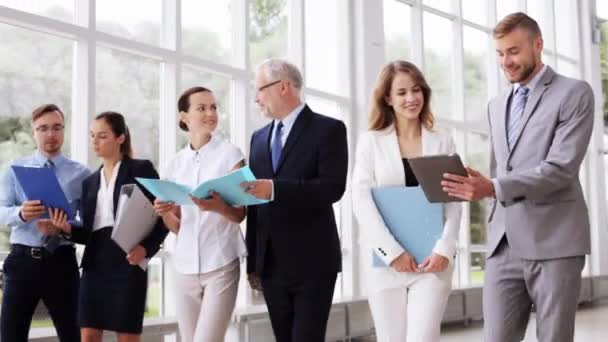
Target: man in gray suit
538,231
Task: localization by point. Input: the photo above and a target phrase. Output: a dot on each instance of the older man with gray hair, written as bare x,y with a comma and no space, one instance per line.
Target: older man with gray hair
301,160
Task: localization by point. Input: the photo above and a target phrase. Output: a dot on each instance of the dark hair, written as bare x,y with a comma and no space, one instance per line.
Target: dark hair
516,20
183,103
381,114
46,108
119,127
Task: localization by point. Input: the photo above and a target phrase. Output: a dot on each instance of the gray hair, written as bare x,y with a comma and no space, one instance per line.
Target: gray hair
279,69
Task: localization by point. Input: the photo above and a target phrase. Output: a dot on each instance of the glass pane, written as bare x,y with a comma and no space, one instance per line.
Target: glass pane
438,62
56,9
569,69
478,158
540,10
325,107
602,9
35,68
154,295
129,84
326,71
475,73
268,31
139,20
443,5
566,32
221,88
475,11
505,7
207,29
397,30
478,268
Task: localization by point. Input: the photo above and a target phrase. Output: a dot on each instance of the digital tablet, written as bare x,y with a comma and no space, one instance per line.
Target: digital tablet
429,172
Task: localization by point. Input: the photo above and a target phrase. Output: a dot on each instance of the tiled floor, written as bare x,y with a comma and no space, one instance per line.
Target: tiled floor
591,326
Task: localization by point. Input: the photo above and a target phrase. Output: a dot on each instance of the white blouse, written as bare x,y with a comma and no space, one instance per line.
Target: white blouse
104,211
206,240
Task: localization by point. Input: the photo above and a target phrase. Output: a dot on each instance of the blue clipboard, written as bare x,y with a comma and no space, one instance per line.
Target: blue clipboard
41,183
228,187
414,222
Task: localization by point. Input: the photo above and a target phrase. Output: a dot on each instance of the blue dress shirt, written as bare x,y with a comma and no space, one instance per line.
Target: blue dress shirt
70,175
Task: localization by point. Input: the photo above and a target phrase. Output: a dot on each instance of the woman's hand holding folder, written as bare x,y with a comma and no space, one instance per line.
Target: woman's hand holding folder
404,263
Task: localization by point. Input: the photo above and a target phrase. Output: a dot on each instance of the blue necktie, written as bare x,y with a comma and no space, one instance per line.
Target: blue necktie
277,146
517,111
51,242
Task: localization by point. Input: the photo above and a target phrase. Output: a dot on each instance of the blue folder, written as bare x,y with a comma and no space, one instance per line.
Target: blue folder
228,187
414,222
41,183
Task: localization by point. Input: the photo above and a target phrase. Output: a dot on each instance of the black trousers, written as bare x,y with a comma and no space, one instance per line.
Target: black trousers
299,308
29,279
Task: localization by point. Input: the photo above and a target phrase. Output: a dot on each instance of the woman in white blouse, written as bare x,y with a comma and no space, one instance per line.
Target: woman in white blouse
407,299
209,243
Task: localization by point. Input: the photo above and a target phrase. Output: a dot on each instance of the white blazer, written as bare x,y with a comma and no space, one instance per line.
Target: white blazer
378,162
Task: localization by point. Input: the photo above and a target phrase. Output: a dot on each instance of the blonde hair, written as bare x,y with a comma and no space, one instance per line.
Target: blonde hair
516,20
381,114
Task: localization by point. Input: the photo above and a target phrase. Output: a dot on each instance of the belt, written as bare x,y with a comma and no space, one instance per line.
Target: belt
34,252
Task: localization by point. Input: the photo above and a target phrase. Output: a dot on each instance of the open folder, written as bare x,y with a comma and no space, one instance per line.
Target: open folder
414,222
228,187
135,219
41,183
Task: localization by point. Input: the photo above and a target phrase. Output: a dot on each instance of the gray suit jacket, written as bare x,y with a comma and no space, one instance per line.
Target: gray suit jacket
539,200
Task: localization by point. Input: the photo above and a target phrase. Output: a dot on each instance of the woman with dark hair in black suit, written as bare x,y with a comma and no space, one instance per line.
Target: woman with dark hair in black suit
113,287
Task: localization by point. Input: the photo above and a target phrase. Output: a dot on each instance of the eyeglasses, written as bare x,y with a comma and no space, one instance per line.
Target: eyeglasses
260,89
44,128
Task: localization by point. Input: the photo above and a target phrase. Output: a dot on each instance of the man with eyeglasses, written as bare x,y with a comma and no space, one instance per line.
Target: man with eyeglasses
301,160
39,267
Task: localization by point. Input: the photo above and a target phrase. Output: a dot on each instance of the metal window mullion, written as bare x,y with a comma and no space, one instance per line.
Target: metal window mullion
83,80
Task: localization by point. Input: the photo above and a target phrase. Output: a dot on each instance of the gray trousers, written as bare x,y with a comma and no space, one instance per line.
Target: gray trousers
513,284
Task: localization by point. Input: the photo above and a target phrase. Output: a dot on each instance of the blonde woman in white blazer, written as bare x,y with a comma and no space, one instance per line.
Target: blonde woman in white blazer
407,300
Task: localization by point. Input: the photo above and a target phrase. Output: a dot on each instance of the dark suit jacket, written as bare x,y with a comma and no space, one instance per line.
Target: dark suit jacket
129,169
297,231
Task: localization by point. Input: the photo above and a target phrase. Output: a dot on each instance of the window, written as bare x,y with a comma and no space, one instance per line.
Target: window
475,73
57,9
134,19
129,84
475,11
397,33
326,54
206,32
268,30
438,62
442,5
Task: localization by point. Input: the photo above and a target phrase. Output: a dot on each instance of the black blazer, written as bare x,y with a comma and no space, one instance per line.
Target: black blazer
129,169
299,225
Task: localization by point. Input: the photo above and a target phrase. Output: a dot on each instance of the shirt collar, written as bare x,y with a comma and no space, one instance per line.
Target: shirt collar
42,159
190,152
290,119
533,82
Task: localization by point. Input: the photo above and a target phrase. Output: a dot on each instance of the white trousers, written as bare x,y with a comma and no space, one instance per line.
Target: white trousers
205,303
412,312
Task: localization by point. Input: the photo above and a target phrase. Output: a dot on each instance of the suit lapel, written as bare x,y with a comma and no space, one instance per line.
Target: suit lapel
395,174
501,120
531,104
298,127
121,178
90,201
266,153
